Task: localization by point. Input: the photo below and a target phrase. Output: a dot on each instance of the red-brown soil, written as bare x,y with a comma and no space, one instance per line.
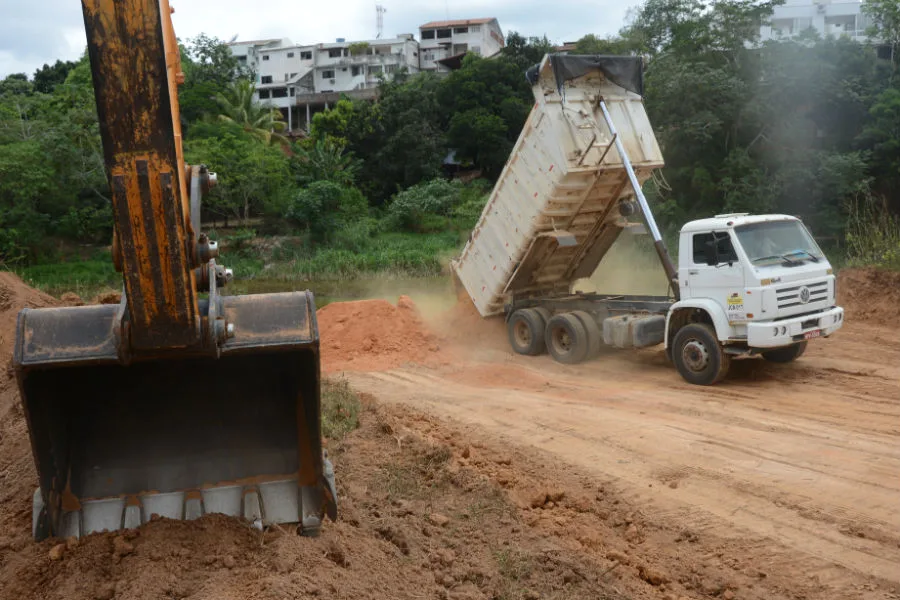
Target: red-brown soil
477,473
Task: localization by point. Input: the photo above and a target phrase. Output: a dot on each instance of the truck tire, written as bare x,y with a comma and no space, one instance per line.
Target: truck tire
786,354
544,312
525,329
698,356
594,337
567,339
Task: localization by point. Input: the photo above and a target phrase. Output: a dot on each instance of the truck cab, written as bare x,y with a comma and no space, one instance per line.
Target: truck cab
759,283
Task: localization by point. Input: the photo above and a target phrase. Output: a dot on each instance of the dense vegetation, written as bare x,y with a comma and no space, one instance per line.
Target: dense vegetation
809,127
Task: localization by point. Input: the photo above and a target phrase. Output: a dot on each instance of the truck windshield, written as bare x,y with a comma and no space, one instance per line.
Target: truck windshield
774,242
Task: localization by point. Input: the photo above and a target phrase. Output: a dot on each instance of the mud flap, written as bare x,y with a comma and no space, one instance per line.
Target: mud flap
117,439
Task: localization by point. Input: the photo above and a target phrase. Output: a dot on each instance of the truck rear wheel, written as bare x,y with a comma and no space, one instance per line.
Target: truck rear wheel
526,332
594,337
786,354
698,355
567,339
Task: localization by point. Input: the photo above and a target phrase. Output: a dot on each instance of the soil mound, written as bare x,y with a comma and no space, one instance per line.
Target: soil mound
869,294
371,335
14,296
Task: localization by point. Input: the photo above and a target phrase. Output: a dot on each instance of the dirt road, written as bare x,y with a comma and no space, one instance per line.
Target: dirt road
793,469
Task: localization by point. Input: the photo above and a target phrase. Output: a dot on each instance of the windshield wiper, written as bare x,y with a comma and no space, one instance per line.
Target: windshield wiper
782,257
811,256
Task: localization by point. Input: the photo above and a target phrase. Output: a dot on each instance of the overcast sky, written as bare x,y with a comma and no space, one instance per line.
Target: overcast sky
33,33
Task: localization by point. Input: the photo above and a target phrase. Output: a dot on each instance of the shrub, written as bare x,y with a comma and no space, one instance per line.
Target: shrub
414,209
324,207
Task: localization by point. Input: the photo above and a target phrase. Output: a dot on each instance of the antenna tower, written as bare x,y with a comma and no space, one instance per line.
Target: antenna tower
379,20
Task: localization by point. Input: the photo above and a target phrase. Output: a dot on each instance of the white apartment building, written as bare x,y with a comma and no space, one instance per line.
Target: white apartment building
829,17
443,43
301,80
247,53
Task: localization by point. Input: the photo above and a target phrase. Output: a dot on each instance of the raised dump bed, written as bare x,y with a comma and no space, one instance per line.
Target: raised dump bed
561,199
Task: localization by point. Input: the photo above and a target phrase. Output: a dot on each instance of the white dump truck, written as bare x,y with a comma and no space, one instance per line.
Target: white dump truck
745,285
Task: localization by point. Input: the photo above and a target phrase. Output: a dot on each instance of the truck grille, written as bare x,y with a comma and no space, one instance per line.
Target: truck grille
798,296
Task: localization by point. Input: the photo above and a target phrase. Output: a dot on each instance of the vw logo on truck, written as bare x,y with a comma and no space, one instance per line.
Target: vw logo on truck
804,295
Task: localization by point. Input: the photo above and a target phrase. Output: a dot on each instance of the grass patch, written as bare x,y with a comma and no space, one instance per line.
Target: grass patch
515,568
271,264
422,474
87,278
340,408
398,254
873,234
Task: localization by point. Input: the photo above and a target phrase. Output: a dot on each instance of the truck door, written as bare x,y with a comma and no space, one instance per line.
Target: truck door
714,272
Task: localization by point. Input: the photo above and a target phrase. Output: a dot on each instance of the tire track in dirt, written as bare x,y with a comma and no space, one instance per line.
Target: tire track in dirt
802,465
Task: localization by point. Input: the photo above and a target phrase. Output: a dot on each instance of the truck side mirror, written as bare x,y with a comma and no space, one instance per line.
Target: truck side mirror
712,252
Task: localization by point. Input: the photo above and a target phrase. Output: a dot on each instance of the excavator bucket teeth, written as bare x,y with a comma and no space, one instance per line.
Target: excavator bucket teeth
118,440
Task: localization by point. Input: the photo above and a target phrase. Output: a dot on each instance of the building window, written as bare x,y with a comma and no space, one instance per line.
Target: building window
279,93
390,68
265,79
375,70
355,71
460,30
475,50
475,29
293,75
293,91
265,57
242,58
428,34
290,55
443,34
328,74
306,55
335,52
264,94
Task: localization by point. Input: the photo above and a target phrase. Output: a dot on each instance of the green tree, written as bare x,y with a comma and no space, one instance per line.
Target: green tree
209,69
882,135
885,15
325,160
525,52
48,77
253,176
239,107
325,207
592,44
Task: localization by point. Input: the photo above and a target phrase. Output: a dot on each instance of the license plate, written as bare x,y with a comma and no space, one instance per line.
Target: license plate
812,334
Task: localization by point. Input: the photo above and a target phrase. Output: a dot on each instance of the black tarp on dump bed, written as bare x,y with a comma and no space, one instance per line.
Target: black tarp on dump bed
624,71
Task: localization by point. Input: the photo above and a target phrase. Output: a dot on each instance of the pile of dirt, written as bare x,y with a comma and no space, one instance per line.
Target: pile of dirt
418,518
870,294
370,335
14,296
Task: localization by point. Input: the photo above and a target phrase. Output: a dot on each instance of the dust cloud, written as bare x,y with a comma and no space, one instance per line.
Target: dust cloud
630,267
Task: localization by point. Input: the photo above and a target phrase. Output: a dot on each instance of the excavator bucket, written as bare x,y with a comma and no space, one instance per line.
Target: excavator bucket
178,437
180,400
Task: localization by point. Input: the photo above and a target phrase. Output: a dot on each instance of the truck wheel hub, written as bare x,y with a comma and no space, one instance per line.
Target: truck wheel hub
523,334
695,355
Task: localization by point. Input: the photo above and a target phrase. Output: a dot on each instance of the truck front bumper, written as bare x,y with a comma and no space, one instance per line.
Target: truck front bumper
773,334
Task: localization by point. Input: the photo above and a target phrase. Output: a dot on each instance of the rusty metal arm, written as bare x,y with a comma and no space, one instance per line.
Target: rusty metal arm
136,67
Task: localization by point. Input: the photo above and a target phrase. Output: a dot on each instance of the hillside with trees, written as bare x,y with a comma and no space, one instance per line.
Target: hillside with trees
809,127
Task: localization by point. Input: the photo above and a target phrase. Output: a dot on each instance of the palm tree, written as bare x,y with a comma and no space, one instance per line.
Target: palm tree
238,106
326,161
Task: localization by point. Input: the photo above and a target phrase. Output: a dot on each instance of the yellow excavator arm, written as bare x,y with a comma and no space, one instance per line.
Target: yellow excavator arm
169,403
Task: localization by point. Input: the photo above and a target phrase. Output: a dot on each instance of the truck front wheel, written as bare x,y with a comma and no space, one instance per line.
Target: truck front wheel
698,356
786,354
